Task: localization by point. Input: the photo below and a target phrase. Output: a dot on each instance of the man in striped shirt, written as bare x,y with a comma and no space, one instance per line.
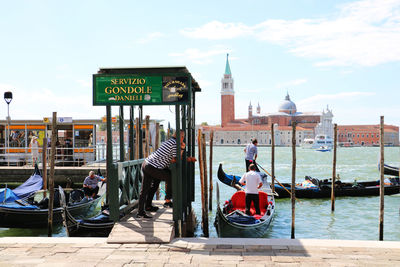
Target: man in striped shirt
155,169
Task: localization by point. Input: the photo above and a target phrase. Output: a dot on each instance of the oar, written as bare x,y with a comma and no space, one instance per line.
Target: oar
290,193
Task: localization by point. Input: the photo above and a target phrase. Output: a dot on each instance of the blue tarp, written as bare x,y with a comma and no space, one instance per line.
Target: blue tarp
33,184
15,205
10,196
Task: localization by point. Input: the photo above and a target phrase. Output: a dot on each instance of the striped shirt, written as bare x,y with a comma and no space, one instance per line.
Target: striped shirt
162,157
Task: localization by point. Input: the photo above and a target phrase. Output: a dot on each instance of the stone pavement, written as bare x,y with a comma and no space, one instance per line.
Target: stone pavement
43,251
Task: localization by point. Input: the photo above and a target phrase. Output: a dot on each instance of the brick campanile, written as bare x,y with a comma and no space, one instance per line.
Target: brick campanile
227,96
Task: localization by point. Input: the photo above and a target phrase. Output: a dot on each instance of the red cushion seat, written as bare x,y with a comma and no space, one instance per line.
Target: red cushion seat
239,202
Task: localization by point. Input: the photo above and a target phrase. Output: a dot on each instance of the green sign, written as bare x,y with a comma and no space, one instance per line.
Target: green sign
139,90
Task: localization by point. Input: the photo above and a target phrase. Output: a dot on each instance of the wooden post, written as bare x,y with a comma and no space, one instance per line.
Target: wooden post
205,184
51,178
44,166
131,135
147,133
334,168
273,157
382,184
211,166
157,144
121,134
137,138
292,187
201,168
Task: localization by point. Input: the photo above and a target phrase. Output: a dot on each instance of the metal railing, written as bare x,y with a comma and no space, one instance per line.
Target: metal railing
123,186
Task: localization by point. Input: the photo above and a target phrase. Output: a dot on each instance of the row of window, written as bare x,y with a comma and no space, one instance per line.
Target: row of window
358,135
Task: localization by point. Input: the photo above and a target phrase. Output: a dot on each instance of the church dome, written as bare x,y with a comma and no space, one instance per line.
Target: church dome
287,106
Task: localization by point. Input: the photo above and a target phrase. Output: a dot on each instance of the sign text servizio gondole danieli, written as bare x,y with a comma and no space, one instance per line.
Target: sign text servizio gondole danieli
139,90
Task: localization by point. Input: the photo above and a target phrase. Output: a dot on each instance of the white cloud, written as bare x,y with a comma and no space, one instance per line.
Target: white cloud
365,33
291,84
197,56
316,100
150,37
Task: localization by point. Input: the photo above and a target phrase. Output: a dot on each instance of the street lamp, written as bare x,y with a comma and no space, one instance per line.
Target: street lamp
8,98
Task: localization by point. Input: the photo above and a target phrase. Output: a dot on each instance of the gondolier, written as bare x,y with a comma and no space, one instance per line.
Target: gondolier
253,182
251,154
155,169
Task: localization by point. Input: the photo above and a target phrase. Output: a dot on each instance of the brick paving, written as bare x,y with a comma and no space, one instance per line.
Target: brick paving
245,252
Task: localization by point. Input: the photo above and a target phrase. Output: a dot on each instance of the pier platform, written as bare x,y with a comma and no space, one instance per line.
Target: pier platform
158,229
43,251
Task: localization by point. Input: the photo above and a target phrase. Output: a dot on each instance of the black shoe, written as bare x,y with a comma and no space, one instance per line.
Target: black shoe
152,209
168,204
143,215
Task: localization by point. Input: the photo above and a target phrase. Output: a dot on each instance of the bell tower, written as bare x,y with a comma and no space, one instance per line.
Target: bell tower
227,96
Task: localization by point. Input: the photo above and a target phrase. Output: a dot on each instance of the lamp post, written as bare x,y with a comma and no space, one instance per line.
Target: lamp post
8,98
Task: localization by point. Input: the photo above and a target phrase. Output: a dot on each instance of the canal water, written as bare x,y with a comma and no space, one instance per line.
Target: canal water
355,218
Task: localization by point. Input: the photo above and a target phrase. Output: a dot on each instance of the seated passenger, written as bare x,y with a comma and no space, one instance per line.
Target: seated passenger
90,186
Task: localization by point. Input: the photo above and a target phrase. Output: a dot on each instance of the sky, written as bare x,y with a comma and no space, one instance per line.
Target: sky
341,54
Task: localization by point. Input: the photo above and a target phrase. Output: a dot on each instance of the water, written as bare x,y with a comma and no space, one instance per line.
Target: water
355,218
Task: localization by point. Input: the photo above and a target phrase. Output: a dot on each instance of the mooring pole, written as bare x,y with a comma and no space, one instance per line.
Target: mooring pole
147,136
334,168
201,168
131,135
273,157
51,180
156,145
205,183
121,134
44,166
292,188
140,132
382,184
211,166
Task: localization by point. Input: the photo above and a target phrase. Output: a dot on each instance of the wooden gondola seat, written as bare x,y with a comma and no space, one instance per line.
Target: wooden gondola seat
239,203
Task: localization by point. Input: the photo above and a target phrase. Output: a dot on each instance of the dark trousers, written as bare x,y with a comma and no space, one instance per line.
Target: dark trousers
255,199
151,180
91,191
248,162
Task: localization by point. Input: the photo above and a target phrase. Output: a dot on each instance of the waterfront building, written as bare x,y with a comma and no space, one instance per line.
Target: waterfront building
367,135
258,125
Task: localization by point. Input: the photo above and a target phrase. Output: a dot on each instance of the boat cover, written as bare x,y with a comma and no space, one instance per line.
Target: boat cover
22,205
33,184
7,195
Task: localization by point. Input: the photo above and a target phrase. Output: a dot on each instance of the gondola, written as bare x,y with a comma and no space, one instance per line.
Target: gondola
32,214
30,186
390,170
314,188
97,226
231,221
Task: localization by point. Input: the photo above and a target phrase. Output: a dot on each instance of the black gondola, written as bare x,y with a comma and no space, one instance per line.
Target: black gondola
314,188
97,226
30,214
390,170
231,221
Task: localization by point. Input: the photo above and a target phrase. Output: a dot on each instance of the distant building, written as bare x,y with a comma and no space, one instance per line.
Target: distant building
234,131
367,135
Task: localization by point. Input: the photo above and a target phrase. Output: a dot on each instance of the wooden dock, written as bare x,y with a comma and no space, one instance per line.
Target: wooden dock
159,229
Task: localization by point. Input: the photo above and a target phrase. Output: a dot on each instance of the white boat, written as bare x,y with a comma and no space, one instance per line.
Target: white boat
319,141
